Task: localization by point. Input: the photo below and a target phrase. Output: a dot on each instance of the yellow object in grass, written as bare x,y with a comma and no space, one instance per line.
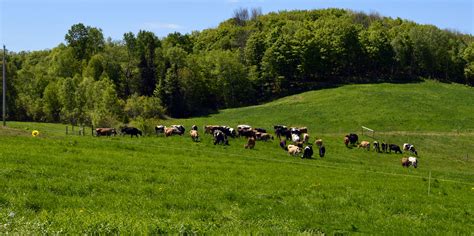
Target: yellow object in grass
35,133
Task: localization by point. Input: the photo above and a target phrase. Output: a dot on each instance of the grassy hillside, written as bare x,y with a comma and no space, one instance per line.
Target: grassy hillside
58,183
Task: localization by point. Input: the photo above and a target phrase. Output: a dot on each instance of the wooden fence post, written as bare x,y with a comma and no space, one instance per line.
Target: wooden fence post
66,130
429,183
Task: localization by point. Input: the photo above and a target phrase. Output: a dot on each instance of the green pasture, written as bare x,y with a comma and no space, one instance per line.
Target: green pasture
57,183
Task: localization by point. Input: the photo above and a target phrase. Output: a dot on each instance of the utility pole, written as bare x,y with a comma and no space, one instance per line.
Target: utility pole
4,86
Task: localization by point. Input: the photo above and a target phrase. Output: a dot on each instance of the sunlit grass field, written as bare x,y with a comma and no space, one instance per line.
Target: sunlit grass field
57,183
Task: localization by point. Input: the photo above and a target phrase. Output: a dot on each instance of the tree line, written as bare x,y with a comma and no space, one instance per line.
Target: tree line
248,59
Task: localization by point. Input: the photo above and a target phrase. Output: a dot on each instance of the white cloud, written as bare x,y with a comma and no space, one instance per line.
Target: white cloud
161,25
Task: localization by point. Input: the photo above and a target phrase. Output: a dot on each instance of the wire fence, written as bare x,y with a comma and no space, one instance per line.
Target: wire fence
305,163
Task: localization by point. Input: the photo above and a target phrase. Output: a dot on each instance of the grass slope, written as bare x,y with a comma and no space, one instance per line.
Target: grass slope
71,184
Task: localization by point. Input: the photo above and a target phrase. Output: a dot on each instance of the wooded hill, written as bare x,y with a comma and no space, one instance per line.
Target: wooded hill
248,59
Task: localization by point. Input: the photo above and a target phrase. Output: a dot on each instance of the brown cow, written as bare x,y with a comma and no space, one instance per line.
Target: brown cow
105,131
169,131
318,142
250,143
305,137
293,150
346,141
303,130
364,144
194,135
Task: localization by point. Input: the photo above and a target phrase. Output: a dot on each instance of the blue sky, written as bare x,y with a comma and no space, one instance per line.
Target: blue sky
36,24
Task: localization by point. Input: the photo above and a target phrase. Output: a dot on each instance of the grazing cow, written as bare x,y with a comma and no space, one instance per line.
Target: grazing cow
305,137
295,137
250,143
318,142
384,147
194,135
169,131
283,144
406,162
261,130
293,150
299,144
247,133
322,151
395,148
105,132
409,147
209,129
230,132
281,130
160,129
263,136
376,146
364,144
220,138
353,138
303,130
179,129
132,131
346,140
307,152
194,127
244,130
294,130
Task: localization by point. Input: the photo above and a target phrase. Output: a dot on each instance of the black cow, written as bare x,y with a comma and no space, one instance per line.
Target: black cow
384,147
132,131
307,152
283,144
281,130
247,133
353,138
395,148
322,151
220,138
261,130
243,128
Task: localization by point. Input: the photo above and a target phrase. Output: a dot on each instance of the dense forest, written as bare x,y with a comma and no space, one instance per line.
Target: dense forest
248,59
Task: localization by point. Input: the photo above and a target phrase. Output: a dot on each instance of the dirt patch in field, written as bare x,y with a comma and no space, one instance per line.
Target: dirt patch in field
7,131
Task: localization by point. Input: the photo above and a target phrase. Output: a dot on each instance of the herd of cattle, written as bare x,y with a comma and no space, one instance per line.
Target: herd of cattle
352,139
298,139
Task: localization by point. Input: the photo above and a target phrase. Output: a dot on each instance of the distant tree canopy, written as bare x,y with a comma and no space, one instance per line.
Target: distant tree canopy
249,58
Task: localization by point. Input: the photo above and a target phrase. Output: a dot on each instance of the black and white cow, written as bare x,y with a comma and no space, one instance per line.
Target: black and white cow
307,152
179,129
409,147
220,138
376,146
160,129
